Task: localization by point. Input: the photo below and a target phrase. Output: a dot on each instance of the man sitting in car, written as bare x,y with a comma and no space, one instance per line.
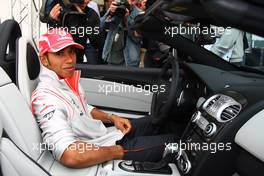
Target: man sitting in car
74,130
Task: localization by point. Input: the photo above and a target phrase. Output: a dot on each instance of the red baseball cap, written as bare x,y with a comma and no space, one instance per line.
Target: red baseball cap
55,40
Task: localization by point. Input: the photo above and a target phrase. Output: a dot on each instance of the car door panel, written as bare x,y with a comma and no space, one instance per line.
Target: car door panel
118,88
116,95
129,75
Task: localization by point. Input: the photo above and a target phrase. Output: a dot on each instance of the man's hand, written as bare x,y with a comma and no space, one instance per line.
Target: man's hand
143,4
121,123
136,34
113,7
55,12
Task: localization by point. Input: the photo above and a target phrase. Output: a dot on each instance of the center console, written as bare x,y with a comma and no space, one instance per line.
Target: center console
206,123
129,168
210,118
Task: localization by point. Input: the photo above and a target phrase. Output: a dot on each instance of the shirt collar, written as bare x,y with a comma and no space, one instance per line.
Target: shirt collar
50,76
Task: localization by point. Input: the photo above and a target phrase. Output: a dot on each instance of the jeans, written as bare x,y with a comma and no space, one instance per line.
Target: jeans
142,143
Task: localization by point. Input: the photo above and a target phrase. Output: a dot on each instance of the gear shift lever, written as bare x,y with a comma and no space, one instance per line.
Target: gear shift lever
160,167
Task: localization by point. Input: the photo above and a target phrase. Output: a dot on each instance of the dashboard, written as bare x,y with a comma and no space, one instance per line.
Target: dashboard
205,81
225,101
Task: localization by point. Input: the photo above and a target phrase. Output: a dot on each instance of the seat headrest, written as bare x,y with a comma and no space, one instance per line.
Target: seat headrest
1,128
9,33
28,68
33,64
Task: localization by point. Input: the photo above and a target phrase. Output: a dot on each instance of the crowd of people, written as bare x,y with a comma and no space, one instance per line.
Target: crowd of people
110,38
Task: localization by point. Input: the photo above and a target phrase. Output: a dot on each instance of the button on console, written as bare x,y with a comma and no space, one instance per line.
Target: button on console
210,129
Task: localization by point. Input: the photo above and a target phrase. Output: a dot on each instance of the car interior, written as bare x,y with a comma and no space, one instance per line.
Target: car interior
215,108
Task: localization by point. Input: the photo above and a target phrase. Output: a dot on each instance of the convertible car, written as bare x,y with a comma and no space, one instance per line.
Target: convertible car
215,107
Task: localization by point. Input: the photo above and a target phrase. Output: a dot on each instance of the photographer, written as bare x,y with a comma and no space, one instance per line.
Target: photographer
80,20
122,44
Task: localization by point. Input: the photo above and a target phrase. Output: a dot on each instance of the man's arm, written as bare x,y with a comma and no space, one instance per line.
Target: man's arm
120,123
135,36
226,42
81,154
108,16
100,115
57,134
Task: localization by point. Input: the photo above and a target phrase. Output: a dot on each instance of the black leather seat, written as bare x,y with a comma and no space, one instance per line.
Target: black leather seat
28,67
9,33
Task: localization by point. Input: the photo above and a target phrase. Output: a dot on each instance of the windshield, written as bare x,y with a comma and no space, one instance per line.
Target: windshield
233,45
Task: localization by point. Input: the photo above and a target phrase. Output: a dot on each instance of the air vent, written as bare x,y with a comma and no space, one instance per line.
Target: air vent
210,103
222,107
230,112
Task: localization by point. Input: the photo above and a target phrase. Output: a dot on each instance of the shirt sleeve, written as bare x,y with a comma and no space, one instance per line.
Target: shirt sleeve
94,6
226,42
131,21
89,110
52,117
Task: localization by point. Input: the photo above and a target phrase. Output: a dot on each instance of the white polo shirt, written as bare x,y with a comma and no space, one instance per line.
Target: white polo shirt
62,112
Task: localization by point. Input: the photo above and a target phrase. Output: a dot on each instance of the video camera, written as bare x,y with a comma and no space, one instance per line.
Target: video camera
66,10
121,9
67,5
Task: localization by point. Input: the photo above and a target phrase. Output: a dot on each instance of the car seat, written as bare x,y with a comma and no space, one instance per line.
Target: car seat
28,67
10,154
21,127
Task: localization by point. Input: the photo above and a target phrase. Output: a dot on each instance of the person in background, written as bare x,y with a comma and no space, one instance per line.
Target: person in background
122,44
142,5
230,46
93,5
91,53
57,10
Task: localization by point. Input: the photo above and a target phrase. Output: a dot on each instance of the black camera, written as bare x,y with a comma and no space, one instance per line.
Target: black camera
66,7
121,9
70,3
76,1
